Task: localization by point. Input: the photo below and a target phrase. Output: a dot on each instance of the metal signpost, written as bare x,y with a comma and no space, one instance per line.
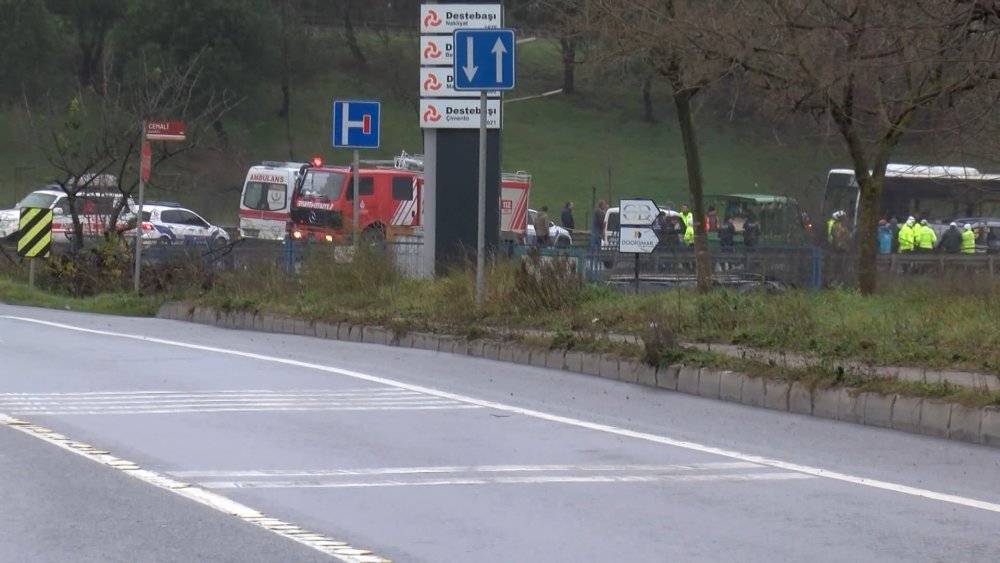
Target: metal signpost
484,62
636,218
151,131
356,125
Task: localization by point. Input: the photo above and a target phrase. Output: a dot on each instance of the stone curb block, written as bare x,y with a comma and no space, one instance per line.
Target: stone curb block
935,418
776,395
574,361
628,370
965,424
878,410
667,377
404,340
522,354
537,357
826,402
609,367
373,335
852,407
990,426
591,364
646,375
754,392
906,414
709,383
731,386
507,352
555,359
491,350
687,380
800,398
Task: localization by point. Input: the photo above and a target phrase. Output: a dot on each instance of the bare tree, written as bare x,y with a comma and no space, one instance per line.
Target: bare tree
875,69
93,143
665,35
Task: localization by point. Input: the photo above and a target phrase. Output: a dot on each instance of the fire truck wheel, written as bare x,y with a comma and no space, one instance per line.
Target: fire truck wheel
374,233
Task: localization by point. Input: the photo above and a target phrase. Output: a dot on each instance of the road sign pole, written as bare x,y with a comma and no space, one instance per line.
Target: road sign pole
31,272
637,274
356,175
136,277
481,240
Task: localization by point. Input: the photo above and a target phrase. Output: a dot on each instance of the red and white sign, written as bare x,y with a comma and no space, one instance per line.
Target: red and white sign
437,50
438,82
446,18
145,162
457,114
166,130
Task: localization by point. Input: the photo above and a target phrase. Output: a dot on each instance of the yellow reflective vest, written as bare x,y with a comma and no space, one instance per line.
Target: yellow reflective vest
927,238
906,238
689,227
968,242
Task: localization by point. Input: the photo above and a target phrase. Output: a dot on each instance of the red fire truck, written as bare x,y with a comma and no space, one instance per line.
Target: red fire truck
390,195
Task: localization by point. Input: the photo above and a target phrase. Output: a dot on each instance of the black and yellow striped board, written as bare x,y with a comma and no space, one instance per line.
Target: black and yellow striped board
35,233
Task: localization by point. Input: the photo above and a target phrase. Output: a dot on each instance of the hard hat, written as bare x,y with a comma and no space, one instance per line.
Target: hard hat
923,222
953,224
968,227
910,220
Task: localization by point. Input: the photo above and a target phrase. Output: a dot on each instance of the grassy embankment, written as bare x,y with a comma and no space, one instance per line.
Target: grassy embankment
568,143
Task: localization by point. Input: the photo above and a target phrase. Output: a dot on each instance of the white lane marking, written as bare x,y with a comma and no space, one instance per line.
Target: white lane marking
338,550
531,480
49,412
654,438
190,474
268,392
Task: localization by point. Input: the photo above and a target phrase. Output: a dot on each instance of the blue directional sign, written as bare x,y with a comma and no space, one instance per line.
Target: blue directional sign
356,124
484,59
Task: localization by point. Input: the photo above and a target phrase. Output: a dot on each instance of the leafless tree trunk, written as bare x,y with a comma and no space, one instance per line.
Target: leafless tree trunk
567,47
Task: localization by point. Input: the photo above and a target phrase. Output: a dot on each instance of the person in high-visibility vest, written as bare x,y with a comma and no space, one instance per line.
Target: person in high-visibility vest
906,235
926,238
688,218
968,240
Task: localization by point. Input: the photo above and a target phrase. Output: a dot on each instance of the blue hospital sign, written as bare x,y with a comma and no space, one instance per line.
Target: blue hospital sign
356,124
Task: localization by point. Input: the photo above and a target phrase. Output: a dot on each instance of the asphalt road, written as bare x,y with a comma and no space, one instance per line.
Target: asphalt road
420,456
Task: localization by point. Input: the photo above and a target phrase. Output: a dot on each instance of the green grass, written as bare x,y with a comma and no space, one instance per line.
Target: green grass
570,144
19,293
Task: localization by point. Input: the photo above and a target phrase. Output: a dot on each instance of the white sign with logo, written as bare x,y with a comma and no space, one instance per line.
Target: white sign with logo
637,212
458,113
437,50
438,82
637,240
446,18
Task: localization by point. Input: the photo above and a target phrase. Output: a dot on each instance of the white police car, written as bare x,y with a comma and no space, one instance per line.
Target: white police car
169,223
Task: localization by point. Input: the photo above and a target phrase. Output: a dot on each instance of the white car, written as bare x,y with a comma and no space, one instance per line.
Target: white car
168,223
94,210
558,236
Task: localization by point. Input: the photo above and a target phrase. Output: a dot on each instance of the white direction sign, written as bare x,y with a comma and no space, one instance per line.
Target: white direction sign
437,50
439,82
446,18
637,240
451,113
637,212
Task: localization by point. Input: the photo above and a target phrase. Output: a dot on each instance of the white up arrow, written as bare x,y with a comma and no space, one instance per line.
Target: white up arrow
470,69
499,50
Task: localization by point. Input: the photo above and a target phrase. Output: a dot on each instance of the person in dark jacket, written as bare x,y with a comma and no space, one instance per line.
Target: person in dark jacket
951,240
567,216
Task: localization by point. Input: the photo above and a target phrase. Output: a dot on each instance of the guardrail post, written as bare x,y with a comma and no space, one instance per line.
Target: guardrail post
816,280
289,254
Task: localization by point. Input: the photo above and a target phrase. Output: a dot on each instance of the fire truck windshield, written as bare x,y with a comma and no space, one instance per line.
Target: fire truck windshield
324,185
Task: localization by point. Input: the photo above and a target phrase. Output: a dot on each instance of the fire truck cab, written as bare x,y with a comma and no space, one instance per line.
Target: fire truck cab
390,196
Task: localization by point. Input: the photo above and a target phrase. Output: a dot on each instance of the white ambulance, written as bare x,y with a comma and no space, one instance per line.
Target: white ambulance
266,199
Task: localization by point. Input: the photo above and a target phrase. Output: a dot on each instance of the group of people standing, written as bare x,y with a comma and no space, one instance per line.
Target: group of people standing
911,236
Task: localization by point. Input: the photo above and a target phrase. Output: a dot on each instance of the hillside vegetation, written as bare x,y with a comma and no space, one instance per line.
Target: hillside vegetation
570,144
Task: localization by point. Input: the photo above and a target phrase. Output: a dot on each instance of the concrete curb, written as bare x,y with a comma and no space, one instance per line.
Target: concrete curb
916,415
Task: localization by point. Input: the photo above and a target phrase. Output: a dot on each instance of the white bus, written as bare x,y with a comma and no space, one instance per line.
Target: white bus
939,194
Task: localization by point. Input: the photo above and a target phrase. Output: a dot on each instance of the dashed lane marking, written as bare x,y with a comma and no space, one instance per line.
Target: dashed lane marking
336,549
649,437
